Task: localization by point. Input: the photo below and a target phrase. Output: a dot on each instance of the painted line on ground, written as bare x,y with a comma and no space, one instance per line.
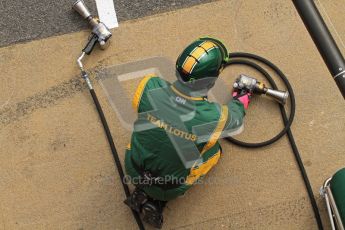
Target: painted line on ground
107,13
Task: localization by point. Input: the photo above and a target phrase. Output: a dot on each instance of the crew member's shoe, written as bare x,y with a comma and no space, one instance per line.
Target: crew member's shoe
152,214
136,200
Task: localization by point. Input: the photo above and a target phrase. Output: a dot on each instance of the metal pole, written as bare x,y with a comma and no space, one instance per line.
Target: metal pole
323,40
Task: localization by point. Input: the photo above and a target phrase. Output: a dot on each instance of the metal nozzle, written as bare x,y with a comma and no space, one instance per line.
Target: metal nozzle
81,8
250,84
278,95
100,31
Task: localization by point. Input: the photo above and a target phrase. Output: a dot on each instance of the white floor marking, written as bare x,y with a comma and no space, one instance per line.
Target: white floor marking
107,13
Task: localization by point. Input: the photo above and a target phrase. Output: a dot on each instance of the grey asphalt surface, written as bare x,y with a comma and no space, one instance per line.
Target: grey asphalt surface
26,20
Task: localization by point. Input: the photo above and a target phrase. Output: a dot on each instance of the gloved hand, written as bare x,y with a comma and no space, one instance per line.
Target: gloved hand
244,98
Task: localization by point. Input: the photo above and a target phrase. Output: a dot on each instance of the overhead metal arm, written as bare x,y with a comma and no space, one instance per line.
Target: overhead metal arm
323,40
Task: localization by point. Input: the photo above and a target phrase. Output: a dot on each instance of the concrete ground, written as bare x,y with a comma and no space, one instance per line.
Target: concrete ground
25,20
56,169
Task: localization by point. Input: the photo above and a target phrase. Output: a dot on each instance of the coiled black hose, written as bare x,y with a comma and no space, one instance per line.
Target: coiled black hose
241,59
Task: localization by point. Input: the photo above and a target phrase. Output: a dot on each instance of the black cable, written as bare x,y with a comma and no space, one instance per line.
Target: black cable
287,121
274,86
115,155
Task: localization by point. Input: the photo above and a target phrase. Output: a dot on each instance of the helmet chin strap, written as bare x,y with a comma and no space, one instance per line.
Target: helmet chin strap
201,92
200,85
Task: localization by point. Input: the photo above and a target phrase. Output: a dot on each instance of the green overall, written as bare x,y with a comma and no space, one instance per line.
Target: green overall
170,114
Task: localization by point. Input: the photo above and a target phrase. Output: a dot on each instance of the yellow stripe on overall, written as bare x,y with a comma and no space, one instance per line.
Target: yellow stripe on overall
140,90
218,130
196,55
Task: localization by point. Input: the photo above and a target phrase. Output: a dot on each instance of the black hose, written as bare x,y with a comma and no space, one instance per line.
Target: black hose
274,86
287,121
115,155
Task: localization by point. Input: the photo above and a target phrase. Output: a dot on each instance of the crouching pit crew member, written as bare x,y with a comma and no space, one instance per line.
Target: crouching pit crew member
175,138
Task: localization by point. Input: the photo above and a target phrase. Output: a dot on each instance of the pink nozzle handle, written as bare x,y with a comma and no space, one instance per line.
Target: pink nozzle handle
244,99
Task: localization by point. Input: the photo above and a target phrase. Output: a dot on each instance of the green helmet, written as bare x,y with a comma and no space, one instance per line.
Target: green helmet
200,64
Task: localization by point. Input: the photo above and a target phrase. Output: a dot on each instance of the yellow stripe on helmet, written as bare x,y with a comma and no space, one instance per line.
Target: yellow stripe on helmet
208,45
196,55
189,64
